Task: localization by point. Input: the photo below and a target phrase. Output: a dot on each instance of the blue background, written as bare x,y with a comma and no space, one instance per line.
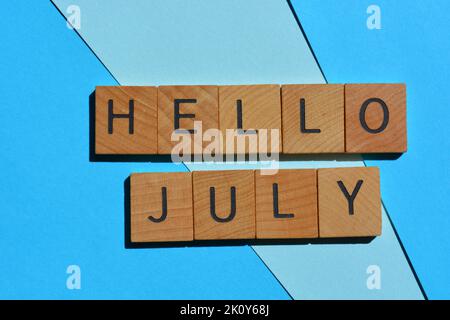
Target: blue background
58,208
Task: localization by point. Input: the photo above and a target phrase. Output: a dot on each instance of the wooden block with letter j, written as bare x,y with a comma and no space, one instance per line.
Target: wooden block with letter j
375,118
286,204
349,202
125,120
161,207
224,205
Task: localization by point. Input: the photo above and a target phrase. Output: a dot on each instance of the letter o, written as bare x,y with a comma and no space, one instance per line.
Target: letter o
362,115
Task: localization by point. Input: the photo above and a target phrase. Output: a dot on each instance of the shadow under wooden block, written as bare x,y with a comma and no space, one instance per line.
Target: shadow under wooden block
349,202
249,242
178,108
224,204
286,204
313,118
375,118
125,120
254,112
160,207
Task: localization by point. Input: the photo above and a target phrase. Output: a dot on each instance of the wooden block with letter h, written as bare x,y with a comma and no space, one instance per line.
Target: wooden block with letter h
349,202
125,120
161,207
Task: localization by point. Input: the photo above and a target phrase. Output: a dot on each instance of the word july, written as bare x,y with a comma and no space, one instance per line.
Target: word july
246,204
290,119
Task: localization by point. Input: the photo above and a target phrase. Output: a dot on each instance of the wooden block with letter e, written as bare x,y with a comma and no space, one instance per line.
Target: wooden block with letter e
313,118
375,118
349,202
286,204
254,112
178,108
224,205
161,207
125,120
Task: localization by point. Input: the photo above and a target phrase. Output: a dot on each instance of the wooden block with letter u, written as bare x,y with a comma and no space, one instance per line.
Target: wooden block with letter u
224,204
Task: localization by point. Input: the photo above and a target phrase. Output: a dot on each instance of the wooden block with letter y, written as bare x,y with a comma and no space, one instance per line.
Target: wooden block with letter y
179,107
224,205
375,118
286,204
254,111
125,120
349,202
313,118
161,207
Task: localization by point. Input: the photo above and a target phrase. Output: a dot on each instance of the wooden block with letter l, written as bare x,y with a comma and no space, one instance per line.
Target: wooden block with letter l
375,118
224,205
286,204
161,207
349,202
125,120
313,118
178,108
254,112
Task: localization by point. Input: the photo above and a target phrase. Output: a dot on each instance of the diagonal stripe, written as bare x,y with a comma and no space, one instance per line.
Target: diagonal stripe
384,207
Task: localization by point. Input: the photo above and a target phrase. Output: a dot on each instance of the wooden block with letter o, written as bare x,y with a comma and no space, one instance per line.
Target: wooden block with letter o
313,118
286,204
161,207
349,202
224,205
254,111
125,120
179,107
375,118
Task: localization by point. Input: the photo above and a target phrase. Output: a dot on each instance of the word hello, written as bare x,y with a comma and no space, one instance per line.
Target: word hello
290,119
246,204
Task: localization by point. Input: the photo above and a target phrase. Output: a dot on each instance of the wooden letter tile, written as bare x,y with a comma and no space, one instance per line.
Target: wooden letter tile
224,205
349,202
125,120
375,118
313,118
161,207
179,107
250,107
286,204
